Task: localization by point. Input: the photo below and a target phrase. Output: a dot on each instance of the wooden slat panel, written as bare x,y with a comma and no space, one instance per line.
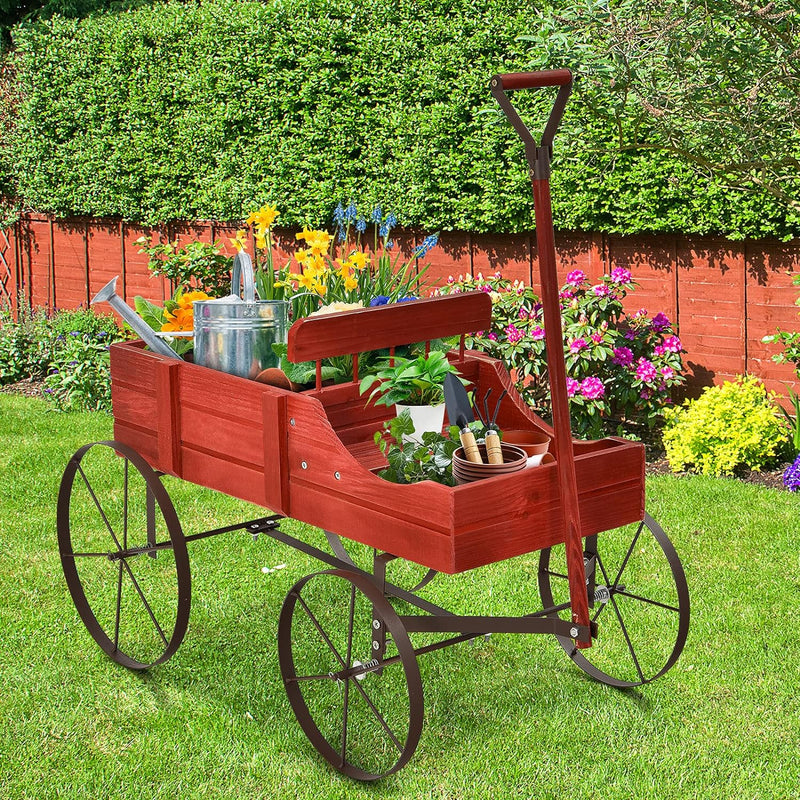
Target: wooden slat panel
237,480
144,442
385,326
205,428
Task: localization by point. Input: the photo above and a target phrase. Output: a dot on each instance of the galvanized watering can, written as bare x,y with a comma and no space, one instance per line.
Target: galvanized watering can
235,334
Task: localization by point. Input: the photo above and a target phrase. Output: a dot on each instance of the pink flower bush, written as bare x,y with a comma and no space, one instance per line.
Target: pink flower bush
623,356
576,345
620,366
576,277
645,371
592,388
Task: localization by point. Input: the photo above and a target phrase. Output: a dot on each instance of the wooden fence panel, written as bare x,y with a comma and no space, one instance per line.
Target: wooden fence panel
723,296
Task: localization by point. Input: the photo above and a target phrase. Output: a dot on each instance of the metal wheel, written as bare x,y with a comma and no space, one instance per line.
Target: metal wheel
637,596
123,554
362,713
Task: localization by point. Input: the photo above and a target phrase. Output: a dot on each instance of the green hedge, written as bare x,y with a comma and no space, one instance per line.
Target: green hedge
205,110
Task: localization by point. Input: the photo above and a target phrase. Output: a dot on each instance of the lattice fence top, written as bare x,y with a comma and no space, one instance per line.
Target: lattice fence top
6,276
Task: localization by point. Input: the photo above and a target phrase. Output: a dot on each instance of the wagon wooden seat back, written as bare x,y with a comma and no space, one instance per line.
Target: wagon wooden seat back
310,455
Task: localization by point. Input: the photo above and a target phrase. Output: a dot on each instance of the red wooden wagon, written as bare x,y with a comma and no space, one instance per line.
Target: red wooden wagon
611,586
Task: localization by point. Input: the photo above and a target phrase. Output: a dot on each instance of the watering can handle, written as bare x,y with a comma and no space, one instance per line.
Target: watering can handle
243,273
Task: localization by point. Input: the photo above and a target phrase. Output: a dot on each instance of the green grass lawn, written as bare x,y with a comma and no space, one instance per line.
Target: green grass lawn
507,717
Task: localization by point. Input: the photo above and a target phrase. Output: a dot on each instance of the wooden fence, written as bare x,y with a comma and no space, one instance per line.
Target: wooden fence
723,296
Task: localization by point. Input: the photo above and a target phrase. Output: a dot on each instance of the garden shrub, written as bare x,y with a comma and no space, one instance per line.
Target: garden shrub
730,426
25,345
69,351
621,368
199,110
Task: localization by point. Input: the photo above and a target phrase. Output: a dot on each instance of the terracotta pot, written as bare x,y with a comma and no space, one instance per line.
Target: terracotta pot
534,443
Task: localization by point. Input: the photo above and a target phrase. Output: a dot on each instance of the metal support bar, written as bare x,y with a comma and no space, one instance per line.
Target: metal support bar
481,625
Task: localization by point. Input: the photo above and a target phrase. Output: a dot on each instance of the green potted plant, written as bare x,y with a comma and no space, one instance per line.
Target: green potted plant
414,384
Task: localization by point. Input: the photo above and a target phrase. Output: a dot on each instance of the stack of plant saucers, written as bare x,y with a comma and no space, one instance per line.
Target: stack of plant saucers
514,459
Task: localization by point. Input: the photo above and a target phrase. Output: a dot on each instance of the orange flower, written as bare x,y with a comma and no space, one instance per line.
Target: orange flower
181,320
187,298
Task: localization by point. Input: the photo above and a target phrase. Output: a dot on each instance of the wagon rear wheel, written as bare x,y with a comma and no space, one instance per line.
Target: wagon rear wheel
637,596
363,714
123,554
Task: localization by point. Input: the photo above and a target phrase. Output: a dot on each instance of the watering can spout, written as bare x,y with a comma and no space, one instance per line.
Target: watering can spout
108,294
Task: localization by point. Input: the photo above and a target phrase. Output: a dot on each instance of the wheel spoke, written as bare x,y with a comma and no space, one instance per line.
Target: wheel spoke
99,507
144,601
641,599
378,716
346,699
119,607
627,556
322,633
627,639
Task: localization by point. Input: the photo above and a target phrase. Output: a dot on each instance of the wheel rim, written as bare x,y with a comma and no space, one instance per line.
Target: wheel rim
642,619
365,722
133,597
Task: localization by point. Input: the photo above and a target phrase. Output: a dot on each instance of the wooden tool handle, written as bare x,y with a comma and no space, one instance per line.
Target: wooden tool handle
493,449
470,447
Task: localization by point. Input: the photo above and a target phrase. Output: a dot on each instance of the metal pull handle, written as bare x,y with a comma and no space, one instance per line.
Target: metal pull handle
514,81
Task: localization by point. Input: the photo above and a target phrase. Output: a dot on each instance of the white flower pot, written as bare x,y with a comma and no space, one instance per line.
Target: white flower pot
425,418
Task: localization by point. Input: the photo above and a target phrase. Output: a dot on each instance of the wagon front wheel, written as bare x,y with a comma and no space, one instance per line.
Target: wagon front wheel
123,554
638,598
350,673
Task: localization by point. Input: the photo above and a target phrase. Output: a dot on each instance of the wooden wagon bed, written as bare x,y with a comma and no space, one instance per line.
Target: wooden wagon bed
310,455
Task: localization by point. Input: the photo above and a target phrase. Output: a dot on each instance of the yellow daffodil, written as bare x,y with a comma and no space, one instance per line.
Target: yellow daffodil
359,260
350,284
345,268
263,218
261,241
239,241
308,280
320,288
304,234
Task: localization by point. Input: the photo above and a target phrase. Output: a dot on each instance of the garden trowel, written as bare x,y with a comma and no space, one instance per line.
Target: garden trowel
459,412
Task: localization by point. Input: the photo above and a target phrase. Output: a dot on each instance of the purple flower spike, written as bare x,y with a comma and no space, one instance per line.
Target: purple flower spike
791,477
